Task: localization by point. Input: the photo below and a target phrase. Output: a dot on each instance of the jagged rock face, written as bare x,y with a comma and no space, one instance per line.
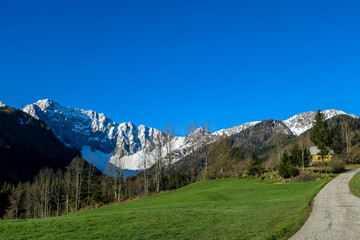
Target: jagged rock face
78,128
304,121
111,142
74,127
198,135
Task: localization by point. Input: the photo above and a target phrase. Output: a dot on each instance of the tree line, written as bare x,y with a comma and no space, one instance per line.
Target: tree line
81,185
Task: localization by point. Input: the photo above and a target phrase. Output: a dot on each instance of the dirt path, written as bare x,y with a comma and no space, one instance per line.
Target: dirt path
336,212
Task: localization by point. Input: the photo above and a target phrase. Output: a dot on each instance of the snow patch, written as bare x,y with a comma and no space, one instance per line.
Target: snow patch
96,158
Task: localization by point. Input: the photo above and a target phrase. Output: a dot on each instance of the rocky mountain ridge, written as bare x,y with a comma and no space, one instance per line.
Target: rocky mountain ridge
102,141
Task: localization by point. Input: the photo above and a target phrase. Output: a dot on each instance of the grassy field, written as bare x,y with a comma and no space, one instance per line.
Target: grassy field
328,168
355,185
218,209
352,166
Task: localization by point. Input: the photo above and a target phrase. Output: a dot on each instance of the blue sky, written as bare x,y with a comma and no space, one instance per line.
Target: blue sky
159,62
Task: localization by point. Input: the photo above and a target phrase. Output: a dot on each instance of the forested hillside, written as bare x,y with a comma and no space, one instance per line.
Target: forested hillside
27,145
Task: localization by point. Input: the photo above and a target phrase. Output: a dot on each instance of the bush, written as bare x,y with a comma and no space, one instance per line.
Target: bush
305,177
337,164
286,169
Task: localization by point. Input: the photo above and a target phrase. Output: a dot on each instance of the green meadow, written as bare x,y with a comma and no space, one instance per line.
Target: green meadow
217,209
355,185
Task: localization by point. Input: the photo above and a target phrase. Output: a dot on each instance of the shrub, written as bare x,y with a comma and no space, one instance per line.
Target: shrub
337,164
305,177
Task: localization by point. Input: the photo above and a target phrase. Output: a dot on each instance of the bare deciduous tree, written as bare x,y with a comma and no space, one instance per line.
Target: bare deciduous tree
43,179
169,131
77,170
143,166
279,150
116,171
56,187
194,141
347,139
89,178
15,200
158,159
206,127
67,189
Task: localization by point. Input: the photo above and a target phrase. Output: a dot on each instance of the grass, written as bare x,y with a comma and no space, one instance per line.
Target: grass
352,166
355,185
217,209
327,169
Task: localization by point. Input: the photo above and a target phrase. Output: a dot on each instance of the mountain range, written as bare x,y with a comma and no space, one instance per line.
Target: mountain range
102,141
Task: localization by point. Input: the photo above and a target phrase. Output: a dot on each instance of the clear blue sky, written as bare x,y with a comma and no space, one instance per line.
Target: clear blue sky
155,62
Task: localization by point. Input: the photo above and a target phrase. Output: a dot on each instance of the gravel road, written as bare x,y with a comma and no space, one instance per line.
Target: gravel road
335,214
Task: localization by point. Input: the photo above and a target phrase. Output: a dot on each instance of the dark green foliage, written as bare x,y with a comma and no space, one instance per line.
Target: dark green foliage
296,154
320,134
286,168
299,154
254,166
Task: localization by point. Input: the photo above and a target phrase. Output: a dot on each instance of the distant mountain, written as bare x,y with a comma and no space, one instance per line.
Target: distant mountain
101,140
261,138
27,145
98,138
304,121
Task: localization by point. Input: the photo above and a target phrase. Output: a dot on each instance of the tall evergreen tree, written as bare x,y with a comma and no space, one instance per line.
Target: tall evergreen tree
296,154
255,165
320,134
286,168
300,156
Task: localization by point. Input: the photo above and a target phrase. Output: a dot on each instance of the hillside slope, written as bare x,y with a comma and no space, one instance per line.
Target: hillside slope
218,209
27,145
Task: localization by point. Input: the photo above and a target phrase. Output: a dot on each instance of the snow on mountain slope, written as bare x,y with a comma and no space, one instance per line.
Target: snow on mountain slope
86,130
236,129
304,121
101,140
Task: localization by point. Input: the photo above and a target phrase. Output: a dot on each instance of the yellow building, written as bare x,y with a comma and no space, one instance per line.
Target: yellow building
316,158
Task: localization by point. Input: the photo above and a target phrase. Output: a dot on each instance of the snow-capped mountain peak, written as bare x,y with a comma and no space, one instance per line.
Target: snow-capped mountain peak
304,121
102,141
236,129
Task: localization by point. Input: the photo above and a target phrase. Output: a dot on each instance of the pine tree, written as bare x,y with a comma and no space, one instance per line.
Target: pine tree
286,168
296,154
320,134
255,165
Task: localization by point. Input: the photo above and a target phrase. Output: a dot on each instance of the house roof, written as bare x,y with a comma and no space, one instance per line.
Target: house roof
314,150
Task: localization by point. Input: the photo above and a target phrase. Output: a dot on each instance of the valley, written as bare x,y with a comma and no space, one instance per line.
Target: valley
217,209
